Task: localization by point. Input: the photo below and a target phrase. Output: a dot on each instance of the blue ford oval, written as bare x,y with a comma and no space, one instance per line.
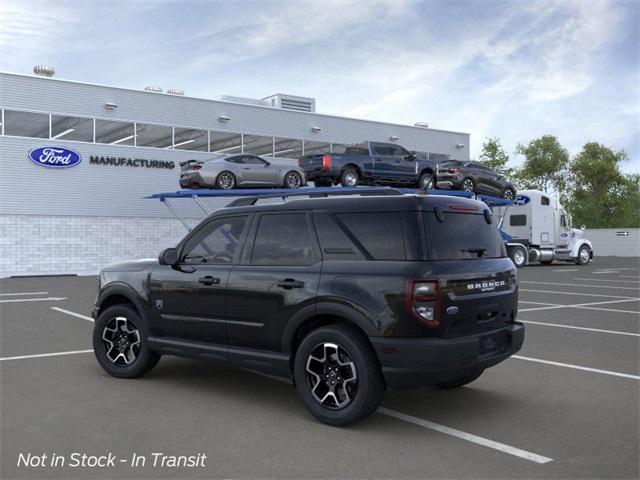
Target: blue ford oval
55,157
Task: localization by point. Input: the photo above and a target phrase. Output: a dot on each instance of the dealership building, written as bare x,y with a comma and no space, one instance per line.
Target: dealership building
128,145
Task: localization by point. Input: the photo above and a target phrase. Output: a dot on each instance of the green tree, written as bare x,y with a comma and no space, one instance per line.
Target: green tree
494,156
600,195
545,164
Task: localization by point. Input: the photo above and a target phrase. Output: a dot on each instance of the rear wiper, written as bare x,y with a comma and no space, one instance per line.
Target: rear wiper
479,250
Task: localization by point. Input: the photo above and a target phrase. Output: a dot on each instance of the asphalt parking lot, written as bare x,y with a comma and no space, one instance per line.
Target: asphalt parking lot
566,407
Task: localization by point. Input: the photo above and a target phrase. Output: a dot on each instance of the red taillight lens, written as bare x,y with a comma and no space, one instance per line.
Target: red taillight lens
326,161
423,301
196,167
458,207
299,163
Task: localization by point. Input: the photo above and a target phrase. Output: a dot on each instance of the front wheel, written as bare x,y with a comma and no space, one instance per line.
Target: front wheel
120,343
468,185
584,255
518,256
349,178
459,382
337,375
293,179
509,194
426,181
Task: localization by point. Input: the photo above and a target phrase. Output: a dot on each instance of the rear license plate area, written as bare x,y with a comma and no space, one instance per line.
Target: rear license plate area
491,344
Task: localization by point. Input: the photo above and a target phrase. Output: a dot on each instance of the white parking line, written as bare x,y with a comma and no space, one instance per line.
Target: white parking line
577,367
633,312
469,437
575,293
628,276
48,299
597,330
567,270
73,314
584,305
541,303
605,280
605,272
23,293
40,355
583,285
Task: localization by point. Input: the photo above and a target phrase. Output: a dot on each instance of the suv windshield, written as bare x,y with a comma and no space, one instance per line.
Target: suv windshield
462,236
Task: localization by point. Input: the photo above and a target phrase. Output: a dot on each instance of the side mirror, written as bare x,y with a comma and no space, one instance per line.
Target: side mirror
411,156
169,256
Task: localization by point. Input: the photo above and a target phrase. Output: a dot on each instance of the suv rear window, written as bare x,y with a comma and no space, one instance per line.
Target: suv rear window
380,233
462,236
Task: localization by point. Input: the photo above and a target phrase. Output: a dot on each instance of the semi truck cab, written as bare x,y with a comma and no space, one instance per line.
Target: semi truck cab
540,230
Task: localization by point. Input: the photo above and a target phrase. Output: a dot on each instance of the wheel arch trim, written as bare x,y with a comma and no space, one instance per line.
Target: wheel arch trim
124,290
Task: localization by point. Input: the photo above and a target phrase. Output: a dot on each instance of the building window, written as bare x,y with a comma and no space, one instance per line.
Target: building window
71,128
157,136
114,133
26,124
313,148
191,139
287,148
258,145
225,143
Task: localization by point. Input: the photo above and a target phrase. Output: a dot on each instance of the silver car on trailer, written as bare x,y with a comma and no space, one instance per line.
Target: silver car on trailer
241,170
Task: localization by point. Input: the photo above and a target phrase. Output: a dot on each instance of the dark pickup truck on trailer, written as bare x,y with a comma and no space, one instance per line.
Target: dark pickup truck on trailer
370,163
345,295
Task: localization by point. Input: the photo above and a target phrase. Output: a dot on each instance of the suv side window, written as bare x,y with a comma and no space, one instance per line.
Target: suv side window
283,239
215,243
380,233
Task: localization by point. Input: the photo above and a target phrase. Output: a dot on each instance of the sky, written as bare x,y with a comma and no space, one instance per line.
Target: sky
514,70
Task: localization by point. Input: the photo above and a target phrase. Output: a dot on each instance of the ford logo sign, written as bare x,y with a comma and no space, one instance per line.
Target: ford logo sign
521,200
55,157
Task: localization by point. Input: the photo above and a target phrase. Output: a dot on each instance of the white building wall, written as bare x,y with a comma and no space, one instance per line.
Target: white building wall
612,242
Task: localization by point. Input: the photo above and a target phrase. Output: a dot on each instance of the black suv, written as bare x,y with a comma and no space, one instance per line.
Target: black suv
345,295
473,177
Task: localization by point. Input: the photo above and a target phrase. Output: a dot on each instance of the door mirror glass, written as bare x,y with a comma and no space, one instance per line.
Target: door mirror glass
169,256
411,157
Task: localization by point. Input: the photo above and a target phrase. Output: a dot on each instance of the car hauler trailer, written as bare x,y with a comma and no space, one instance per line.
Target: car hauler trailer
539,230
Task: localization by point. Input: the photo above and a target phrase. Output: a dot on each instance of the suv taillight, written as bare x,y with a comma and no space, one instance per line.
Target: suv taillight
196,167
423,301
454,170
326,161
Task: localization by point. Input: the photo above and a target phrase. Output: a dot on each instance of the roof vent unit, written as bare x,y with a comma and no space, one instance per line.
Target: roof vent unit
421,124
44,71
175,91
153,88
244,100
291,102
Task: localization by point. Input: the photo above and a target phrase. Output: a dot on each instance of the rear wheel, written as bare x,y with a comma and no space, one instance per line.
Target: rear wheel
459,382
426,181
468,185
349,178
226,180
509,194
584,255
293,179
337,375
518,255
120,343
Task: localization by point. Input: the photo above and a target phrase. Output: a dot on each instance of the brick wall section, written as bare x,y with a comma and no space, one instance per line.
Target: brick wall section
44,245
607,242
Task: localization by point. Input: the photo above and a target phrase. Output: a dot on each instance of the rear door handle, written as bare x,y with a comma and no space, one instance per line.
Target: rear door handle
209,280
289,283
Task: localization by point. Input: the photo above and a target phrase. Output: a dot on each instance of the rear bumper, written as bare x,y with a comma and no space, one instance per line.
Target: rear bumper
190,180
448,181
411,363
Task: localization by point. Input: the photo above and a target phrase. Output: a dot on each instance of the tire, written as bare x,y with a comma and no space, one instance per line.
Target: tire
518,256
458,382
584,255
508,194
354,398
293,180
426,181
323,182
468,185
226,180
135,358
349,178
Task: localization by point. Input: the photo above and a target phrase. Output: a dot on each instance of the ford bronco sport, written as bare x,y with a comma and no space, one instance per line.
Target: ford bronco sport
346,296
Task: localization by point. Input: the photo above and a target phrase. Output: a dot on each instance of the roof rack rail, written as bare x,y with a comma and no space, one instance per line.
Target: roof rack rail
316,193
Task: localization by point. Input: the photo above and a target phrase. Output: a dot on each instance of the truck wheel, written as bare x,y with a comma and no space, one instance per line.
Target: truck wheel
337,375
458,382
426,181
468,185
120,343
518,256
584,255
349,178
226,180
292,179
